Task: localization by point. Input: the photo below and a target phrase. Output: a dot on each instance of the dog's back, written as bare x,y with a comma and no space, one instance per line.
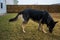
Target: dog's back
35,15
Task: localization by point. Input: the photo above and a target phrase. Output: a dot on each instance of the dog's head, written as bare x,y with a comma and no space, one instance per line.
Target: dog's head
51,26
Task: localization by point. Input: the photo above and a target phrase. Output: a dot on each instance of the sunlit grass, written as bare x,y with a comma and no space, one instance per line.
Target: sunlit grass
13,30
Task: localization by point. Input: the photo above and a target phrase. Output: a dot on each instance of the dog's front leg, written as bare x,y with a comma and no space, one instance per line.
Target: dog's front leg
39,27
43,29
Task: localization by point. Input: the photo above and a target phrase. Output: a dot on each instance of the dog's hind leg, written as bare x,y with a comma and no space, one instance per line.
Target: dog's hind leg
25,20
39,27
23,26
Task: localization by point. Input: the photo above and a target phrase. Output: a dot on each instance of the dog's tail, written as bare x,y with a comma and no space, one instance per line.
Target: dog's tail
14,19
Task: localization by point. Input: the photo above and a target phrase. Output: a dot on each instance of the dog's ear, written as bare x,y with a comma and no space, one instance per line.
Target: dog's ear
56,22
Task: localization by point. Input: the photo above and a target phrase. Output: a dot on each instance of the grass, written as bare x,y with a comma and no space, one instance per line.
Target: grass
13,30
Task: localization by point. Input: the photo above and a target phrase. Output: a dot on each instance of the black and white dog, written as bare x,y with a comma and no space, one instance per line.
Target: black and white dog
42,17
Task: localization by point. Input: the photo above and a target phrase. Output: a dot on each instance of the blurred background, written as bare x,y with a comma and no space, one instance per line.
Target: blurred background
8,6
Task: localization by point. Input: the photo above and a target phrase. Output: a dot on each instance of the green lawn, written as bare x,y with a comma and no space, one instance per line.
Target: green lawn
13,30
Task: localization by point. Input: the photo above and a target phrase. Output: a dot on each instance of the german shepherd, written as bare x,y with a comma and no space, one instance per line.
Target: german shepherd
42,17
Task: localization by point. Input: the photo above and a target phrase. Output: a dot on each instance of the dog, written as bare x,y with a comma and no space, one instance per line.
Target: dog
39,16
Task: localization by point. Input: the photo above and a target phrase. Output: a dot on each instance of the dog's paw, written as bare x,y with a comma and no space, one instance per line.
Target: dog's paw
44,31
24,31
